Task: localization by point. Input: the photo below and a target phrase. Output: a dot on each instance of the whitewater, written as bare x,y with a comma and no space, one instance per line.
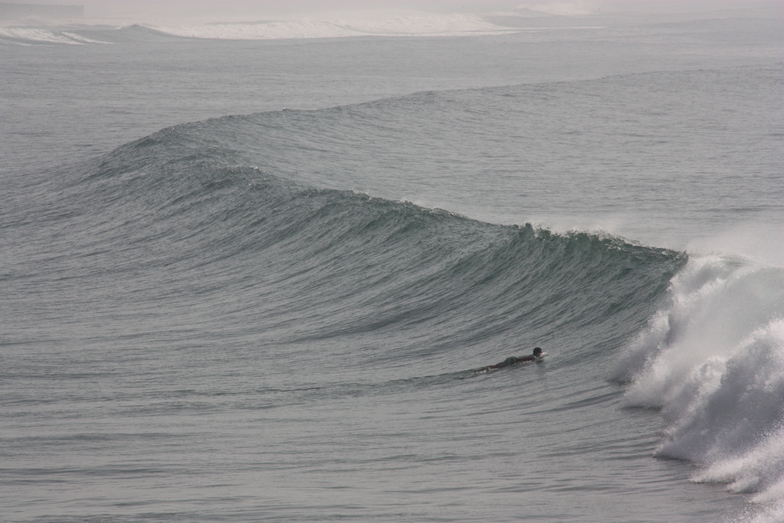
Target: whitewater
248,268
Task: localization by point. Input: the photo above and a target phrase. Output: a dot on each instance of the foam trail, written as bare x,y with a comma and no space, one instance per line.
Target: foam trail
713,360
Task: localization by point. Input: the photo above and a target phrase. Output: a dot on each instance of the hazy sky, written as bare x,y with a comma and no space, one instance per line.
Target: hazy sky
265,9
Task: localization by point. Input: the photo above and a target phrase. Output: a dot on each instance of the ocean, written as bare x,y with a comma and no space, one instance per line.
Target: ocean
249,270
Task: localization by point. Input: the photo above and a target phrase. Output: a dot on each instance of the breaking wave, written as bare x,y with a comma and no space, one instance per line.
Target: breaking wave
712,360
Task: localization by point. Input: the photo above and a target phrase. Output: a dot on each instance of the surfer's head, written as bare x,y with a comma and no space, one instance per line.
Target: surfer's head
537,352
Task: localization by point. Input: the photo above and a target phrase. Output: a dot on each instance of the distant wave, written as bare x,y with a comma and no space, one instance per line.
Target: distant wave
446,25
450,25
713,361
43,35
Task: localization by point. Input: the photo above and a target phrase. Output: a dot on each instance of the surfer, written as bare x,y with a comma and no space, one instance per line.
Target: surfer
537,355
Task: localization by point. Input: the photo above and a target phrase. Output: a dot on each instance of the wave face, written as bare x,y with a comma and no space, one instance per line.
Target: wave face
349,264
713,360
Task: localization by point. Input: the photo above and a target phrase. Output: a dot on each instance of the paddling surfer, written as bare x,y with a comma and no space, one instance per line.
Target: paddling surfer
513,360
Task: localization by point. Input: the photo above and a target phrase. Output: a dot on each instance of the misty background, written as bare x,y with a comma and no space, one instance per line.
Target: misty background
154,11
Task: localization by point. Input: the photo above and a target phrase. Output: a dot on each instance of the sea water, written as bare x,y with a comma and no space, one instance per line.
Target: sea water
247,270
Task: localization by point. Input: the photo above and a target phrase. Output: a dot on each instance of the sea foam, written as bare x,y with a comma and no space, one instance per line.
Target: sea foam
712,359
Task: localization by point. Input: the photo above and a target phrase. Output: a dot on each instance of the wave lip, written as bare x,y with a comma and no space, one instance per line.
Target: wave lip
713,361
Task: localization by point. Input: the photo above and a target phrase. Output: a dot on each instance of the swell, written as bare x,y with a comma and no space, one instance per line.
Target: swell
187,224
